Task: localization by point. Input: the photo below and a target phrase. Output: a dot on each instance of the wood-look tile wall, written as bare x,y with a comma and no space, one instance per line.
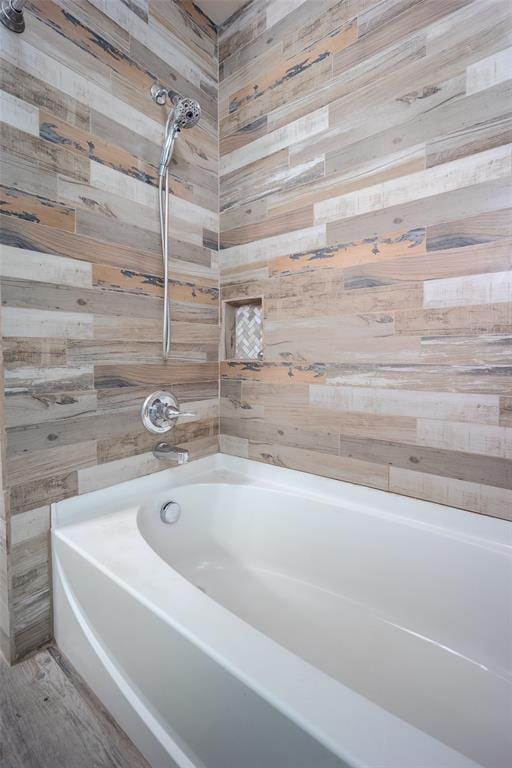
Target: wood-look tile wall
81,272
5,613
365,194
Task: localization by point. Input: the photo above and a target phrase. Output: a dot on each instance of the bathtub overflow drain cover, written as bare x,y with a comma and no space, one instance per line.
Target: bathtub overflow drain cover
170,512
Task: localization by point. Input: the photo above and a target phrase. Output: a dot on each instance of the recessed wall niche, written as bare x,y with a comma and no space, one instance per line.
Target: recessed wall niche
243,329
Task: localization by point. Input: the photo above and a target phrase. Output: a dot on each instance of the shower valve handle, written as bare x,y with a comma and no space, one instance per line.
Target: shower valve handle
174,413
160,412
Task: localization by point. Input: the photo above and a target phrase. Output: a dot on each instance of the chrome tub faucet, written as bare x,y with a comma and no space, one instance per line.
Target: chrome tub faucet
160,412
172,453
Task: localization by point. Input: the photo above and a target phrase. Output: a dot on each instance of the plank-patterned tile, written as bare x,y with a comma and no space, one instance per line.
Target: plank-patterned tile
40,210
81,266
24,409
36,92
41,462
397,317
482,498
33,379
18,353
21,146
50,718
365,196
18,113
28,177
76,84
447,120
294,76
85,144
434,265
36,237
20,264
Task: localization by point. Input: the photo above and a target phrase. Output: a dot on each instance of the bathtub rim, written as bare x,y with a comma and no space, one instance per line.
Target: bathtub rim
463,524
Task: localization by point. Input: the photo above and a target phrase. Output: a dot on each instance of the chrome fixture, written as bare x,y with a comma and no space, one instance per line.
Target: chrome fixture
11,15
166,452
160,412
170,512
184,113
159,94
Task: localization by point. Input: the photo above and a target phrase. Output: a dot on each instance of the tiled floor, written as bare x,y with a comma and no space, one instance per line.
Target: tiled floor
50,719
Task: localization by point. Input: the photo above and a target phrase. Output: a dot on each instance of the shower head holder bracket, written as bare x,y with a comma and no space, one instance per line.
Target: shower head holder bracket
11,15
159,94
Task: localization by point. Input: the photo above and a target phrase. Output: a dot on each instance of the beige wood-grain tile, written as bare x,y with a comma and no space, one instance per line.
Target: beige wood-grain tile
51,719
22,264
466,172
454,492
40,323
445,406
82,292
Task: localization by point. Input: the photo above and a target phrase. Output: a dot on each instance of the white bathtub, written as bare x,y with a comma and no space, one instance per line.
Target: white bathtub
288,621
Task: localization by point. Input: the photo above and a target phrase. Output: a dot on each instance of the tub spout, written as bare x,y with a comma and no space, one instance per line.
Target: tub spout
166,452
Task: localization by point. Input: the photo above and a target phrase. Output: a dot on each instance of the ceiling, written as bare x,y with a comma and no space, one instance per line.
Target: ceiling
219,10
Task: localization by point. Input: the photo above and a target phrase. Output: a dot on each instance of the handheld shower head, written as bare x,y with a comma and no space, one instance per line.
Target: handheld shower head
185,113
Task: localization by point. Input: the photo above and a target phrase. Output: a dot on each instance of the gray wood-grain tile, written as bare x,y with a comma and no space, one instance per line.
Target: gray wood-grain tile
80,258
49,718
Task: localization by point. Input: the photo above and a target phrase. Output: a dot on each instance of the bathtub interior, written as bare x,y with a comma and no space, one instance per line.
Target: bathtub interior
409,613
